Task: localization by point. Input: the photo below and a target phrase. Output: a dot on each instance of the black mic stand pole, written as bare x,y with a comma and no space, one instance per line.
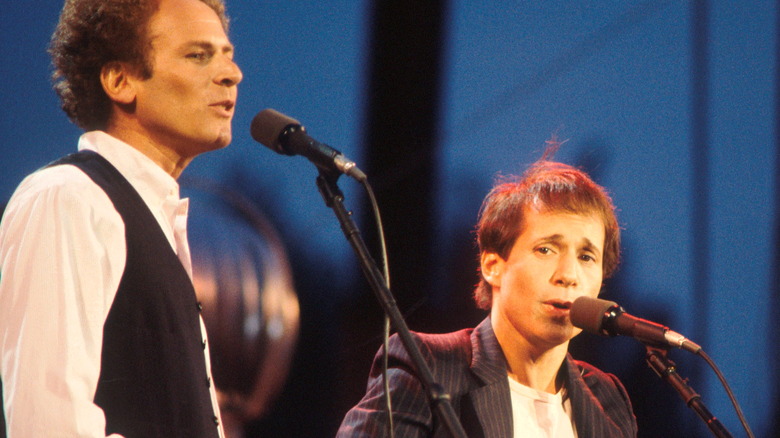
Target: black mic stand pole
657,360
439,399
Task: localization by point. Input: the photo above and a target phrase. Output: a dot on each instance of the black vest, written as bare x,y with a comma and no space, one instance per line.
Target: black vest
153,379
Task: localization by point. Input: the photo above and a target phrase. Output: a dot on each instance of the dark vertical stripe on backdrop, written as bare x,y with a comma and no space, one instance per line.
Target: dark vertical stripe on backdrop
775,277
401,134
700,161
400,152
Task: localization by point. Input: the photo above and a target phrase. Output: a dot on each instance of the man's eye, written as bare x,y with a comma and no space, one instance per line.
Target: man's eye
198,56
543,250
587,258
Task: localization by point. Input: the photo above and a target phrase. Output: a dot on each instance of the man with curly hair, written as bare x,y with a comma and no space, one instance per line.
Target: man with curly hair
100,328
544,240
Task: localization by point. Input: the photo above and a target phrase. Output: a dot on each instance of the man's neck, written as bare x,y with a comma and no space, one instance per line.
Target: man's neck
165,157
531,365
539,372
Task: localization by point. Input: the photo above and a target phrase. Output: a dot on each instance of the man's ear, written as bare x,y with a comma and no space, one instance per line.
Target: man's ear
118,83
492,268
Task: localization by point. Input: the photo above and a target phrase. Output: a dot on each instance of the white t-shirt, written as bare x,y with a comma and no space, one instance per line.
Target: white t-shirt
538,414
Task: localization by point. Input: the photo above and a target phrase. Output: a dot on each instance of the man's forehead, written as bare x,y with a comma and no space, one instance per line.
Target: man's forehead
540,209
540,223
207,34
183,15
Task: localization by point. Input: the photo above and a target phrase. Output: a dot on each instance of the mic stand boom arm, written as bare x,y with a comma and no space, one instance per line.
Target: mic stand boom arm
657,360
439,399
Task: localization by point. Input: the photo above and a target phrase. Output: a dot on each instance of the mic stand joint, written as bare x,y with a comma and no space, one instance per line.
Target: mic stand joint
666,369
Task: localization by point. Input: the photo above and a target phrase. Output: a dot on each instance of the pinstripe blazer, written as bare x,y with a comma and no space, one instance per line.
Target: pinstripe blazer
470,365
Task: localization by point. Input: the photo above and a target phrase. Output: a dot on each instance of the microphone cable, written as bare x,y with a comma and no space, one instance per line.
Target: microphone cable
386,332
726,386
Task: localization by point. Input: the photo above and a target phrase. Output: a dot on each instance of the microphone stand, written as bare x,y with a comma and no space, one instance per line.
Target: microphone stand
439,399
657,360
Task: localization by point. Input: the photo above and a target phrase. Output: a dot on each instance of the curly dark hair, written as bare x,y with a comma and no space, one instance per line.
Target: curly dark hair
92,33
547,186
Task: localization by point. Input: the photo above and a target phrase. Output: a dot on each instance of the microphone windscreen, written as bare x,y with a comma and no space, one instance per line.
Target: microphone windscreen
266,127
588,313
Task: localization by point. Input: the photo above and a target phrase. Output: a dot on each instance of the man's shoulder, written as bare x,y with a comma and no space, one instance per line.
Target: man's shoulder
609,393
437,346
466,345
445,340
596,378
64,179
55,189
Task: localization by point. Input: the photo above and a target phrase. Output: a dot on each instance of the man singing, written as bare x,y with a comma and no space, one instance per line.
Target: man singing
100,330
544,240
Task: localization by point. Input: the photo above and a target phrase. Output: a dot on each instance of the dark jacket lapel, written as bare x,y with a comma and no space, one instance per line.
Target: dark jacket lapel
490,402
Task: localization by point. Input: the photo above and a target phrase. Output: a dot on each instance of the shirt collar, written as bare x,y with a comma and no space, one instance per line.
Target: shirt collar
153,183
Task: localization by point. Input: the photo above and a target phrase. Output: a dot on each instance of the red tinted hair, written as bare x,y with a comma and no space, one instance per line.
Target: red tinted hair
550,187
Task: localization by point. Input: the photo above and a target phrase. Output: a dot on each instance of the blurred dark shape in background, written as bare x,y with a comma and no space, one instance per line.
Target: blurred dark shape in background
250,307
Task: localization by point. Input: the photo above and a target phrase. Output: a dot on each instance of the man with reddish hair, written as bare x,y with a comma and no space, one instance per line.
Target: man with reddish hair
544,240
100,328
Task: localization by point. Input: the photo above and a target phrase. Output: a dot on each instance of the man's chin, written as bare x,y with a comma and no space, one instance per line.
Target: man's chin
222,140
561,333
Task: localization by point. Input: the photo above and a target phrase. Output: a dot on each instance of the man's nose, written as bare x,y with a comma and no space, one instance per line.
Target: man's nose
230,75
566,274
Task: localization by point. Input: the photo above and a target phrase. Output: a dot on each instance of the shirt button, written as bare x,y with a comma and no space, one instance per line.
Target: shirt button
200,306
204,344
208,382
216,420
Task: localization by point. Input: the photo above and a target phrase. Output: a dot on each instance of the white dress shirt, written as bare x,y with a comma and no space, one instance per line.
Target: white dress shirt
62,255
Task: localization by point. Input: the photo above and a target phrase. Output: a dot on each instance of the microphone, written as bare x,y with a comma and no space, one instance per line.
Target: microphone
607,318
285,135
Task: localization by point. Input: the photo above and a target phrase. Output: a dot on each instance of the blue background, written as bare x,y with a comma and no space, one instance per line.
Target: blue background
690,159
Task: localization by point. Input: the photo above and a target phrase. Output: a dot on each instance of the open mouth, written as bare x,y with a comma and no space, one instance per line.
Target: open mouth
227,105
562,305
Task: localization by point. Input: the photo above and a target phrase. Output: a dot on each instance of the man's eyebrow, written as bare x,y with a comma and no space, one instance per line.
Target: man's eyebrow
558,238
552,238
591,246
208,45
